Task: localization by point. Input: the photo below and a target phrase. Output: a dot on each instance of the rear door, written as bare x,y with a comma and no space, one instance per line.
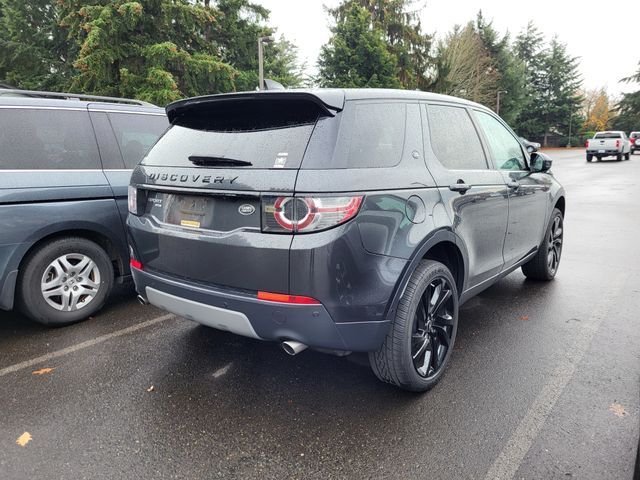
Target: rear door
529,193
204,184
474,194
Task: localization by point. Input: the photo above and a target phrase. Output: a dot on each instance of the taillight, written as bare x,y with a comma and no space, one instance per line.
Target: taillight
135,264
617,143
284,298
307,214
586,144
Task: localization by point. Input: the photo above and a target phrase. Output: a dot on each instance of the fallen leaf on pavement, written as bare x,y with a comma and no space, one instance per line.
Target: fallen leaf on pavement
151,388
42,371
524,317
617,409
24,439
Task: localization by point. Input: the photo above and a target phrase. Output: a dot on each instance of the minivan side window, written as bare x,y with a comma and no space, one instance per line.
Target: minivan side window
506,149
51,139
136,133
454,138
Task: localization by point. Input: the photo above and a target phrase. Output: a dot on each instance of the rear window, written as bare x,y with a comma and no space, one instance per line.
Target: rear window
608,135
251,134
635,134
136,134
50,139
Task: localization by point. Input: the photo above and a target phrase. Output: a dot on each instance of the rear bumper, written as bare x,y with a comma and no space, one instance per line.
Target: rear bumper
242,313
606,153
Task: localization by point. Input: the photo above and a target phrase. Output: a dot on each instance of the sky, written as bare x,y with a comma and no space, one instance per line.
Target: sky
607,54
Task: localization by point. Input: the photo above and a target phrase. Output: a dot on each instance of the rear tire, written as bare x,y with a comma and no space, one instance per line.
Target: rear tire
418,346
589,157
544,265
65,281
627,155
619,157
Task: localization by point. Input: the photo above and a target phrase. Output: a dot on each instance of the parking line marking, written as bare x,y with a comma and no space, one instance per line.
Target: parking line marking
510,458
83,345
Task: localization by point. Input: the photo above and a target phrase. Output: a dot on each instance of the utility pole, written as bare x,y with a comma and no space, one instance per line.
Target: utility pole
498,101
261,42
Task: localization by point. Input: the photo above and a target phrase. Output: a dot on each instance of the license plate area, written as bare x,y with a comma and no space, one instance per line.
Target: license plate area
600,151
221,213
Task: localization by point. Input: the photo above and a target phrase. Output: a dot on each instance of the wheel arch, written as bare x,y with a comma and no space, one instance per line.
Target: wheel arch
560,204
443,246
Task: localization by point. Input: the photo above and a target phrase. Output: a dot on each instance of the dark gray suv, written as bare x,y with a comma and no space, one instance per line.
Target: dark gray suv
343,220
65,165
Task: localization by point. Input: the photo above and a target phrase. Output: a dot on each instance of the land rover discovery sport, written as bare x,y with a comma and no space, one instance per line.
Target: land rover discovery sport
343,220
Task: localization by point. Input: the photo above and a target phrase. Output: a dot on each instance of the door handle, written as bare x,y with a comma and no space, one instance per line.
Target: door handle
513,185
460,187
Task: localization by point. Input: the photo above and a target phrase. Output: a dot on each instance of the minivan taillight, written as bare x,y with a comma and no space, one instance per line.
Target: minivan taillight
307,214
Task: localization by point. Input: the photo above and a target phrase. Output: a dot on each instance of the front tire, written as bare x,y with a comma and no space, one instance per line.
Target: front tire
420,340
544,265
65,281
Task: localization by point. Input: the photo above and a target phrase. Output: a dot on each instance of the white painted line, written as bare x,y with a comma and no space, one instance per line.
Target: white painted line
510,459
80,346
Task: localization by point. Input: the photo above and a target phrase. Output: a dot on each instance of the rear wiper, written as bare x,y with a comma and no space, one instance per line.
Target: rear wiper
218,161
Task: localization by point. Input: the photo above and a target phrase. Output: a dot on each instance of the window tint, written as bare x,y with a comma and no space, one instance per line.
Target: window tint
270,148
635,134
454,139
505,148
371,135
46,139
136,134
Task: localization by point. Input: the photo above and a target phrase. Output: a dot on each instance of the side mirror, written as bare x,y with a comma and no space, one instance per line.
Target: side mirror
540,162
530,149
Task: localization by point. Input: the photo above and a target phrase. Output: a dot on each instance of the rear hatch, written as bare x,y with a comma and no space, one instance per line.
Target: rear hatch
200,190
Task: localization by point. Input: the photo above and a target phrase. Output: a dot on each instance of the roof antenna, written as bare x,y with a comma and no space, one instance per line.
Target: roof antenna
272,85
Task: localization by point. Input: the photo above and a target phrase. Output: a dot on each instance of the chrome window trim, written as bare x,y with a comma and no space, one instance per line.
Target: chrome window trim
33,107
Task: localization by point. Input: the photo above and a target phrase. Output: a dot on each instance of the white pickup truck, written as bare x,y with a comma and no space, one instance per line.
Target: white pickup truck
608,144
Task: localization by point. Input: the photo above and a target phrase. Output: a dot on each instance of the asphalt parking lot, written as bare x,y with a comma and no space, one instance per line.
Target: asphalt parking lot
544,382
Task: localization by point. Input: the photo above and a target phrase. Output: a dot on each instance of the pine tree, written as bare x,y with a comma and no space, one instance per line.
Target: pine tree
356,55
628,108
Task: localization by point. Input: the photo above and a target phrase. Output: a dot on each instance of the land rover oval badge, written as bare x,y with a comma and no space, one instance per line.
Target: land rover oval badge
246,209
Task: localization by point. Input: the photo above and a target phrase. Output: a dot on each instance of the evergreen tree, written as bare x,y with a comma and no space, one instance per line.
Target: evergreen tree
356,54
628,108
511,70
402,33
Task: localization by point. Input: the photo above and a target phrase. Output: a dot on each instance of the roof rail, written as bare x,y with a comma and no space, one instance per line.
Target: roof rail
75,96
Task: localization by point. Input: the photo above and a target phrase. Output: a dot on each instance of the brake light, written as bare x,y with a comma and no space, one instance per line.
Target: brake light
307,214
284,298
586,144
617,143
135,264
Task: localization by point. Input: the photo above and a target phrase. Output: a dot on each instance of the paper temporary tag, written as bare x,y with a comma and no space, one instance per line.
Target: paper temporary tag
190,223
281,160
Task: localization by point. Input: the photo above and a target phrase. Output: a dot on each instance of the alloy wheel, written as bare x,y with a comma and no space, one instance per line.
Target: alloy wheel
70,282
432,328
554,248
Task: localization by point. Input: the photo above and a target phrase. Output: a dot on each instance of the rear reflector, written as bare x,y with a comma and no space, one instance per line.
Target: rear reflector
283,298
135,264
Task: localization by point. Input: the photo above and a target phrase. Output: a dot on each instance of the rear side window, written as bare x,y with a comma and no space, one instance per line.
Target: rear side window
136,134
608,135
371,135
454,138
50,139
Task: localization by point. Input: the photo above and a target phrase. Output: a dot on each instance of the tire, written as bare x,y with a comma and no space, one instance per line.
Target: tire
589,157
543,266
56,263
627,156
420,325
619,157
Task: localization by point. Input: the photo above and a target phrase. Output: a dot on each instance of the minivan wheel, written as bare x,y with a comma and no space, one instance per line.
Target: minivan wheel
420,340
65,281
546,262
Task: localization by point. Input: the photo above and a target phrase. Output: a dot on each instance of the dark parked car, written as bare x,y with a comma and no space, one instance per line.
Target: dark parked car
343,220
65,164
634,138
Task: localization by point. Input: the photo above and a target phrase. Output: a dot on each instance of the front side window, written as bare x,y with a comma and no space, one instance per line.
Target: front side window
505,148
136,134
454,138
47,139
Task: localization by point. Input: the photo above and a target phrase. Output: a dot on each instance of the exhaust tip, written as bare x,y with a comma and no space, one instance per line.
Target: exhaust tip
291,347
142,300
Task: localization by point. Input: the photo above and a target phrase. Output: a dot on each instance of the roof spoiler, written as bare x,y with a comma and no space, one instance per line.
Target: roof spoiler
328,101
